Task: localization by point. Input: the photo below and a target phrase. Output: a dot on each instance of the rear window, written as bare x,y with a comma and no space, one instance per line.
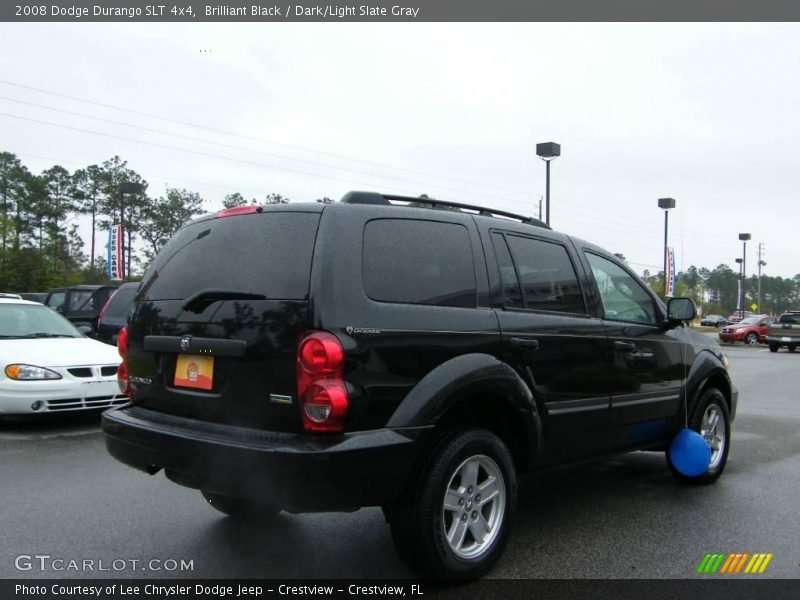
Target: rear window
790,318
267,253
80,300
419,262
120,302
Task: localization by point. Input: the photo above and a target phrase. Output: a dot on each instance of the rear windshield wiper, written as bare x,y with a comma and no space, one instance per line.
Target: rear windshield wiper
198,302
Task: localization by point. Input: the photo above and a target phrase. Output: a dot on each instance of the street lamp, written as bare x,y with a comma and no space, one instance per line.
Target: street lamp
547,151
126,187
666,204
743,237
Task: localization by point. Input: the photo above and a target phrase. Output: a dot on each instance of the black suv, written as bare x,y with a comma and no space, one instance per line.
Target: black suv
114,313
375,352
80,304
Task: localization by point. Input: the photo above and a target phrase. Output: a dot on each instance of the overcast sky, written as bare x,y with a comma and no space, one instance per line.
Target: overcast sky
708,114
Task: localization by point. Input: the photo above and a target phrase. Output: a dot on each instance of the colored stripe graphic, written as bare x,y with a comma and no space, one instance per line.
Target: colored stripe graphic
734,562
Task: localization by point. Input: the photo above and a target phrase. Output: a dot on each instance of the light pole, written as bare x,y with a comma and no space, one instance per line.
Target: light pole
666,204
743,237
547,151
761,263
126,187
739,291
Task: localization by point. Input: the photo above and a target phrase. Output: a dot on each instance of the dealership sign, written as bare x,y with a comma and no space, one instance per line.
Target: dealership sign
115,266
670,291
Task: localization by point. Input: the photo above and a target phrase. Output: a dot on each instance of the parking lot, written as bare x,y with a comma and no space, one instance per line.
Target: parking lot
625,517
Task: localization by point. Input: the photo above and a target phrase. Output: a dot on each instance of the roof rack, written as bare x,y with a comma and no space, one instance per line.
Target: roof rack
375,198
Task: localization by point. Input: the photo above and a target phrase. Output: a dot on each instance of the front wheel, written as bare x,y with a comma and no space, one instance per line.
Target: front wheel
457,520
712,420
752,339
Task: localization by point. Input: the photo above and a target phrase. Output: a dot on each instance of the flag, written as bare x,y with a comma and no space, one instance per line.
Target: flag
670,291
116,270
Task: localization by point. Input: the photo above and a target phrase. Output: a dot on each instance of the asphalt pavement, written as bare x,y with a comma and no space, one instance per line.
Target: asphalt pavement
62,496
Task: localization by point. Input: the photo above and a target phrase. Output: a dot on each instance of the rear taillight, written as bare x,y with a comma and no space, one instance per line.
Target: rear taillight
320,382
122,371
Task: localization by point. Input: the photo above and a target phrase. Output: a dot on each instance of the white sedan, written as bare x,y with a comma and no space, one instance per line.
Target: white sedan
47,366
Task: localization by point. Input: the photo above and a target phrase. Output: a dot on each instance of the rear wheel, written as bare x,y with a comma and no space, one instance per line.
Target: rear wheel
240,507
456,521
791,348
773,347
711,419
752,339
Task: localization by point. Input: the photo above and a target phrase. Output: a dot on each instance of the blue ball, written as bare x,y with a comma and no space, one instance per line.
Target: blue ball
689,453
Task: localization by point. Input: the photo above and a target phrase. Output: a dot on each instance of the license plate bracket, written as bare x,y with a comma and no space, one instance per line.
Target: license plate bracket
194,371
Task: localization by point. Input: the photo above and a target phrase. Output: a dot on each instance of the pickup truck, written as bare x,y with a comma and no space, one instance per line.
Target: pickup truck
785,332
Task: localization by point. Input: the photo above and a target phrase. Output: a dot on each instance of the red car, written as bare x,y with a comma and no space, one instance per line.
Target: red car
736,316
751,330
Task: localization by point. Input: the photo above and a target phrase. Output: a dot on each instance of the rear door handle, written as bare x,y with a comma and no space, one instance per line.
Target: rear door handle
525,343
624,346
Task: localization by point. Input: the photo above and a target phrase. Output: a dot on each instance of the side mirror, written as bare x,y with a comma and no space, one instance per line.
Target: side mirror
681,309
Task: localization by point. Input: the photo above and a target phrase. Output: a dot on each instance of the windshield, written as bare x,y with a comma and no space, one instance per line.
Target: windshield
33,321
750,320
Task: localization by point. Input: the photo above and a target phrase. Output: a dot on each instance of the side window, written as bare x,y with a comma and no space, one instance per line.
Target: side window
546,274
419,262
80,300
512,295
56,299
623,297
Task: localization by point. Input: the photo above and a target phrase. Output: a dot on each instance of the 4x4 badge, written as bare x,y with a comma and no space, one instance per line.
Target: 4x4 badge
185,343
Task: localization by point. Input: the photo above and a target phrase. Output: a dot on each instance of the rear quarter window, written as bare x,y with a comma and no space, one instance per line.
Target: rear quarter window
264,253
418,262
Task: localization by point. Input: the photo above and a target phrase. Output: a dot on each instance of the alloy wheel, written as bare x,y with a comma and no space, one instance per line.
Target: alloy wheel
473,506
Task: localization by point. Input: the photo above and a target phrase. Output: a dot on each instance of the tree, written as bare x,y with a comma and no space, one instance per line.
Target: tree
115,172
234,200
87,186
162,217
325,200
276,199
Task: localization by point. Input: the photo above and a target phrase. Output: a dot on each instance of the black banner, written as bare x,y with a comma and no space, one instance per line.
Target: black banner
398,10
527,589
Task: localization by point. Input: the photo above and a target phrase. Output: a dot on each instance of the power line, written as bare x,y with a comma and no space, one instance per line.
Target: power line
295,147
242,148
258,139
179,149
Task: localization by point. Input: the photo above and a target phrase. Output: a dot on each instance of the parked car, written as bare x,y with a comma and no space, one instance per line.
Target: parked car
714,321
39,297
736,316
785,331
49,366
113,315
314,357
80,304
750,330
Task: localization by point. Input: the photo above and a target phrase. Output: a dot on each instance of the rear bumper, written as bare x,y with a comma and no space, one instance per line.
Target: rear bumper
783,340
299,472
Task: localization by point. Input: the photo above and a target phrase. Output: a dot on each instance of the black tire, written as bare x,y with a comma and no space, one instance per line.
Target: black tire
419,522
711,397
773,347
791,348
752,339
240,508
